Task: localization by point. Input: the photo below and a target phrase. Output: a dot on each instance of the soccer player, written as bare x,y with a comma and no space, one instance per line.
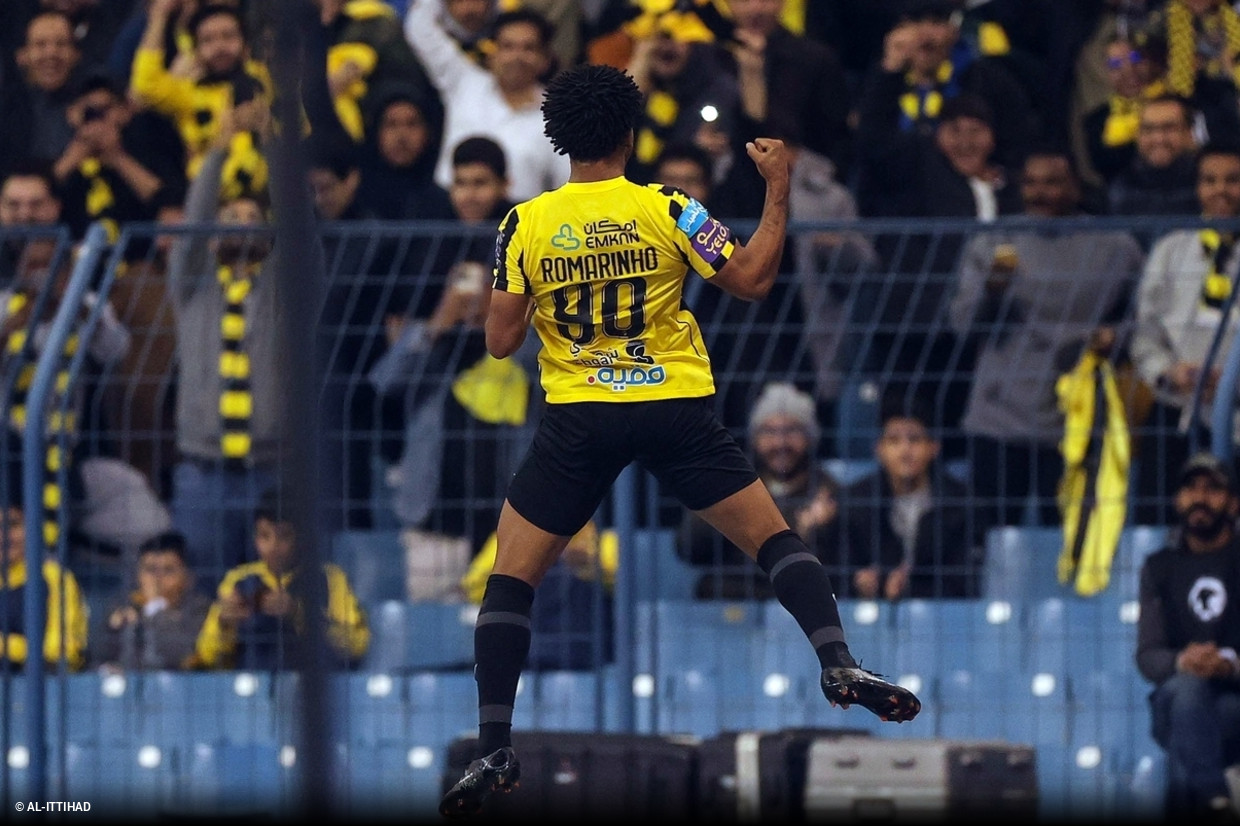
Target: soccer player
599,266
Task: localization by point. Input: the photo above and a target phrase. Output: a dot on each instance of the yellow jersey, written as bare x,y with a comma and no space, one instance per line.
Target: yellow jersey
606,262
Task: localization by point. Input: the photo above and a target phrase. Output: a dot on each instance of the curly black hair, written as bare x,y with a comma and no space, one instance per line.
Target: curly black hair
589,111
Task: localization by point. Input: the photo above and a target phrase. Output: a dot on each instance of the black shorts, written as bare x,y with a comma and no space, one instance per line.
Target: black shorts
579,449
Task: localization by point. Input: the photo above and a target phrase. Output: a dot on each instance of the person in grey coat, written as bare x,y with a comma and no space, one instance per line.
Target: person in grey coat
217,283
1031,301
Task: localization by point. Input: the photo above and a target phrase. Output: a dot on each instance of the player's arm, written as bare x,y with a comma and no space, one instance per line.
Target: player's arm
508,320
750,272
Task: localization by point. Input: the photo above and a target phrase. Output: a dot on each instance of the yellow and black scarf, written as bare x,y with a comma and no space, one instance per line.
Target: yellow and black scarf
1216,286
60,426
100,200
1183,32
656,126
924,101
236,401
1093,491
1124,115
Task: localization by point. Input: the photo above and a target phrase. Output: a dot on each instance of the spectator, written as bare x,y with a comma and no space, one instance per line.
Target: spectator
479,190
469,22
924,65
122,165
688,167
788,83
351,325
334,174
783,438
1111,128
689,96
29,203
33,106
899,319
950,168
220,75
96,23
1201,41
367,52
459,407
500,102
907,529
398,166
258,620
1188,633
27,306
479,197
155,626
1159,181
229,405
178,43
566,634
1032,301
65,635
1186,282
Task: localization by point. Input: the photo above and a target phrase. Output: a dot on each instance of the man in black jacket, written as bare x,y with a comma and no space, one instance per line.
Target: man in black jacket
1187,637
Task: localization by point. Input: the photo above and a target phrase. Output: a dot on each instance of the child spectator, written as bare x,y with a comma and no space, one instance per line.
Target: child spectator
258,620
156,625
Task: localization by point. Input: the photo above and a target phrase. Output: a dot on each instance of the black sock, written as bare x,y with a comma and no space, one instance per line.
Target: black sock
802,586
501,646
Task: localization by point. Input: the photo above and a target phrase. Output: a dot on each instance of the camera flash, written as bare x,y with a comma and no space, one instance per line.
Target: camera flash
709,113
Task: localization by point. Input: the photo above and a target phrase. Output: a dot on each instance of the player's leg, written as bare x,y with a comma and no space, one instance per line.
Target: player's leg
699,462
750,520
553,494
501,644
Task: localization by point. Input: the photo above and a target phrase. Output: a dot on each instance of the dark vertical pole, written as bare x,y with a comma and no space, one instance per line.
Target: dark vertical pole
299,272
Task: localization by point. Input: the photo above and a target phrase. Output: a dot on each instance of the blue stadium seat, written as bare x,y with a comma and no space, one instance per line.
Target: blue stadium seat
1136,543
1110,711
702,655
99,709
372,711
180,710
443,706
1016,706
934,637
374,561
856,419
414,636
139,780
392,781
1077,784
1075,635
789,691
569,700
654,569
251,780
1020,563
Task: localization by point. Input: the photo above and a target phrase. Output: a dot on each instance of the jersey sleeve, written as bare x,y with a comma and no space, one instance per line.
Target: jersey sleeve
706,242
510,275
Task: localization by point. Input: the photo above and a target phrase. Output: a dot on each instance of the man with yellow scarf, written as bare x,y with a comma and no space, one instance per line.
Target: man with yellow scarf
1182,301
1201,39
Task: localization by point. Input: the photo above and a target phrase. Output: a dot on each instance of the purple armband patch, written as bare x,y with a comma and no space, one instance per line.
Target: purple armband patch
710,240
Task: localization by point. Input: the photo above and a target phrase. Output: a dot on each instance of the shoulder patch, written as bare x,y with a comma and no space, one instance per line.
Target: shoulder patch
692,216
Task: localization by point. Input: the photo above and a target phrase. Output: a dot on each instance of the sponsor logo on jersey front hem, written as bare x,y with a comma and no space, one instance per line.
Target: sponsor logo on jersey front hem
622,378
